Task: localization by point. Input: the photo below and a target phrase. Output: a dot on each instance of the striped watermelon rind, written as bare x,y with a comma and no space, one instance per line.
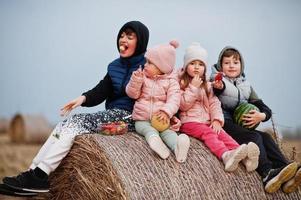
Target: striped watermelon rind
242,109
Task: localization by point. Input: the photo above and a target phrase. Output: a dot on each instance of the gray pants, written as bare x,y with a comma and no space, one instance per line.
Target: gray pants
145,129
62,137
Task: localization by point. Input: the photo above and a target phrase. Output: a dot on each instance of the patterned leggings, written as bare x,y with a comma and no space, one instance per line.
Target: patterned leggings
89,122
62,137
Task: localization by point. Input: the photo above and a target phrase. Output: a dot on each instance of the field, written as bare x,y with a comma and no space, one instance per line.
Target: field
15,157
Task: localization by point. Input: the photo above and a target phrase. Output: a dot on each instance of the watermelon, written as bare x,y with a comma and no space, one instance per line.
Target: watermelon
242,109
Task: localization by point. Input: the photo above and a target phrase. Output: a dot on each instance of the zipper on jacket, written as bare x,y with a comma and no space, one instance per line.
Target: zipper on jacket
151,100
125,78
238,93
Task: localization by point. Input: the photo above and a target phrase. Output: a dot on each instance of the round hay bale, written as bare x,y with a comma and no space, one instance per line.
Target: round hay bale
124,167
29,129
4,123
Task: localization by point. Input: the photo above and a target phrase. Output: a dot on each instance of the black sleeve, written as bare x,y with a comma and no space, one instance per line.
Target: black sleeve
255,100
262,107
217,92
99,93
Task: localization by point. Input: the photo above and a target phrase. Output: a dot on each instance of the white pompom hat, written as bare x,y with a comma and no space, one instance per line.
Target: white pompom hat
195,52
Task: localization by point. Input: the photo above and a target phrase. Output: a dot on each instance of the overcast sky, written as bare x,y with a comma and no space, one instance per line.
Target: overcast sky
52,51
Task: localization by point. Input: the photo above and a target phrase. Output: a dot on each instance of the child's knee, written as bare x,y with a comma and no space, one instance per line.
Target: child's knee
66,140
144,127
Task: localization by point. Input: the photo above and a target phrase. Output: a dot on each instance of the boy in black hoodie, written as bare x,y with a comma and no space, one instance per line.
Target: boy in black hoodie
132,42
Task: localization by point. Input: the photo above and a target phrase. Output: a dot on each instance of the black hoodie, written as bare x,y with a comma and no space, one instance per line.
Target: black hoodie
104,88
142,35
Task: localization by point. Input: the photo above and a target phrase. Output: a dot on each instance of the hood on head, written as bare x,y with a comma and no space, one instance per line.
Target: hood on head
142,35
218,65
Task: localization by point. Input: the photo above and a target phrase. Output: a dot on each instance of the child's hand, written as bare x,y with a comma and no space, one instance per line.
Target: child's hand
218,84
253,118
162,116
72,104
138,73
216,126
175,124
196,81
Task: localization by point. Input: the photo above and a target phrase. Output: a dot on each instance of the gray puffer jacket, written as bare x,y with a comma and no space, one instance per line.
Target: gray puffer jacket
235,91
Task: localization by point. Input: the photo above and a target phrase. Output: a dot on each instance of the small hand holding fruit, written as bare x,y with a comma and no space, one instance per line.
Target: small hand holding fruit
160,121
138,73
218,83
219,76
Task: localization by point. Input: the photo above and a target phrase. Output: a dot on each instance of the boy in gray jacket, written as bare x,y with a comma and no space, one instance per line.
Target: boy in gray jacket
233,90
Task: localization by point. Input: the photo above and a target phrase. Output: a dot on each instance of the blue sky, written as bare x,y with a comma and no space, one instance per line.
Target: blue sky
52,51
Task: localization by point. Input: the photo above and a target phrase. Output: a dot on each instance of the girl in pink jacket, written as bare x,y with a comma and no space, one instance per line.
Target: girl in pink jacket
200,110
157,93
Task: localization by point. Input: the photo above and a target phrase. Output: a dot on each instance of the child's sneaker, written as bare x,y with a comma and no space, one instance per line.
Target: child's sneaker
251,161
293,184
158,146
27,181
182,147
276,177
233,157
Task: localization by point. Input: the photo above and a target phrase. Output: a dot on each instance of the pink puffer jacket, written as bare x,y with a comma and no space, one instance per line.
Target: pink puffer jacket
161,93
195,106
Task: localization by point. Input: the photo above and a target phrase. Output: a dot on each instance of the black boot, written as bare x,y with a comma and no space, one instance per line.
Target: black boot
28,181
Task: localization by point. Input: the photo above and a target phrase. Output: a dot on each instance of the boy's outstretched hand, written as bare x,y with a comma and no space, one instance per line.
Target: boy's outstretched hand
72,104
218,83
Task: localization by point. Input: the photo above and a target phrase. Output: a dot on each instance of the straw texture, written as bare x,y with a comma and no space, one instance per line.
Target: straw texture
124,167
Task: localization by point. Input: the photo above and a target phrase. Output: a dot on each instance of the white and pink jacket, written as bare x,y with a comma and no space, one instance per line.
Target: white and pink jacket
196,106
161,93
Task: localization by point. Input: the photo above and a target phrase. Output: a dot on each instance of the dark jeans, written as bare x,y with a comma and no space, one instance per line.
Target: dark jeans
270,155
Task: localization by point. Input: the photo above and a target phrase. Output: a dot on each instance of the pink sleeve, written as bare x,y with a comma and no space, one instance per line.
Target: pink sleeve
188,97
215,108
172,104
133,88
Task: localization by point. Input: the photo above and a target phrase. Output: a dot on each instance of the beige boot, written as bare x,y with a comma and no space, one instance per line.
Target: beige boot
276,177
233,157
158,146
293,184
182,147
251,161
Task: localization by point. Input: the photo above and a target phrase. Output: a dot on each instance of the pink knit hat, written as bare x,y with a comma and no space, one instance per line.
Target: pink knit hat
163,56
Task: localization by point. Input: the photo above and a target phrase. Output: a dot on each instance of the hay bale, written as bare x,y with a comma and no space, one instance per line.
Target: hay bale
124,167
29,129
4,123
